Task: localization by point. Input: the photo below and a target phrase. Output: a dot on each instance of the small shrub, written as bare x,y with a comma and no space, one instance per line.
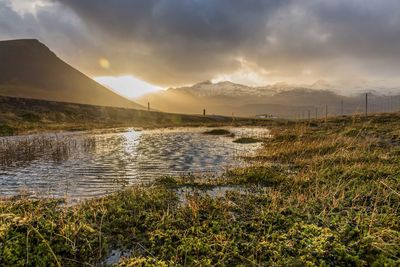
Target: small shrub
6,130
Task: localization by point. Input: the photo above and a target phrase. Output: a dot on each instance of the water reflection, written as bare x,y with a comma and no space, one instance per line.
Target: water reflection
93,164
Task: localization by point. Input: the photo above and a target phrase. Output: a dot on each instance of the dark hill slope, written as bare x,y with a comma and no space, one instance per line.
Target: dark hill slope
29,69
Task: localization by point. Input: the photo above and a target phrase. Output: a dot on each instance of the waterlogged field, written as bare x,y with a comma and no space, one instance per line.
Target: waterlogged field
84,165
315,194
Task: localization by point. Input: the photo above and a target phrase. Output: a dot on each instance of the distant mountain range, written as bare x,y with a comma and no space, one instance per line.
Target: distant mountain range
281,100
28,69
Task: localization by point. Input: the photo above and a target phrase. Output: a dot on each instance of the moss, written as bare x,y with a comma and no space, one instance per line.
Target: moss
6,130
247,140
167,181
258,175
218,132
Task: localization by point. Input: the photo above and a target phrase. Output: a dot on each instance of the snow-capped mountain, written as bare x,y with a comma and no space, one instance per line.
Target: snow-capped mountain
280,99
226,88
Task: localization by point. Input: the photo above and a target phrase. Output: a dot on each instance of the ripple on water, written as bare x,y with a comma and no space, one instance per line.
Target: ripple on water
93,164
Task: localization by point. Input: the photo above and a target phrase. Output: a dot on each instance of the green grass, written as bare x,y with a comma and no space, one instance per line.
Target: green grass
218,132
320,195
247,140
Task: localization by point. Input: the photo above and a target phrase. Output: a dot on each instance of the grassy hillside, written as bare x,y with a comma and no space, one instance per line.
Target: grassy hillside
19,115
316,195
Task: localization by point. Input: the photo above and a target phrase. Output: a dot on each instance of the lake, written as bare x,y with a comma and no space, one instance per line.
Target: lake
79,165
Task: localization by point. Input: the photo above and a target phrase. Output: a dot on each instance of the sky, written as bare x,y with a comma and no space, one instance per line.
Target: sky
151,44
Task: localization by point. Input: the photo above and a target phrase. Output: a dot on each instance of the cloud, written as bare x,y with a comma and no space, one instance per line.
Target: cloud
49,22
173,42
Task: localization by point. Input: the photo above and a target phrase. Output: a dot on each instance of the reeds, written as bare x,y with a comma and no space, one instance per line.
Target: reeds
15,151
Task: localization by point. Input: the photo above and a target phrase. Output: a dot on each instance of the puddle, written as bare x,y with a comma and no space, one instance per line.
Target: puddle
79,165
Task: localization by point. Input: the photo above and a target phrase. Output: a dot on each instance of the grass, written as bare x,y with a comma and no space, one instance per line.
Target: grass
320,195
247,140
218,132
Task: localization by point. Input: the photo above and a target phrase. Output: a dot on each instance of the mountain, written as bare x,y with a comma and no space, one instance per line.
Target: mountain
207,88
28,69
281,99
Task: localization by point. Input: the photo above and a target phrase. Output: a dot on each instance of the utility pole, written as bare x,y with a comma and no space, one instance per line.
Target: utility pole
366,104
398,107
326,113
341,107
204,112
148,106
391,103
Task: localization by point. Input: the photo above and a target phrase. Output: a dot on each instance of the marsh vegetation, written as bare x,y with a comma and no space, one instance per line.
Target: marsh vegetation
22,150
326,194
218,132
247,140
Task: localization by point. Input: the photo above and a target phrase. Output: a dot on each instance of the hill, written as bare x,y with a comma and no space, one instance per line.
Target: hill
29,69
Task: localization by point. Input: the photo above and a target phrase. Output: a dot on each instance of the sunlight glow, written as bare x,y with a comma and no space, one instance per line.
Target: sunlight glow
23,7
127,86
104,63
248,74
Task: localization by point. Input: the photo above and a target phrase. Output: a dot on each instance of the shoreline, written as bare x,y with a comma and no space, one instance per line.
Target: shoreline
19,116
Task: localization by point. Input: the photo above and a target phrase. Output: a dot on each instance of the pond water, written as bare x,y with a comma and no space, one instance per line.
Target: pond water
90,164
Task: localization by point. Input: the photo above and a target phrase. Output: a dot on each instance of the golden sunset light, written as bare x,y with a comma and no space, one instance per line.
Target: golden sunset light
200,133
127,86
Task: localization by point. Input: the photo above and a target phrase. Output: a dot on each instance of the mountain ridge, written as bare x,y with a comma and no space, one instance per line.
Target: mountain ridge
281,99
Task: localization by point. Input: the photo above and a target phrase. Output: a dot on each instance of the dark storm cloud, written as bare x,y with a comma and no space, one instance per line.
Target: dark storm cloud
184,41
333,38
172,42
